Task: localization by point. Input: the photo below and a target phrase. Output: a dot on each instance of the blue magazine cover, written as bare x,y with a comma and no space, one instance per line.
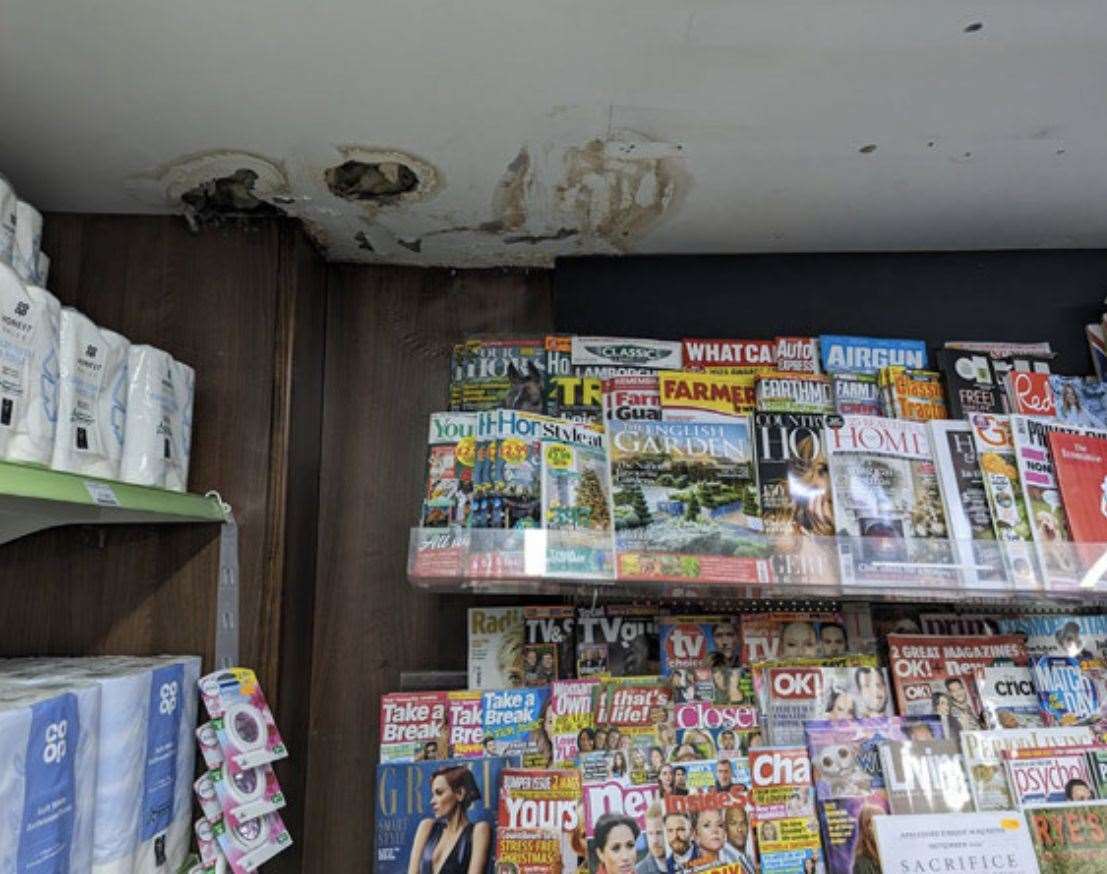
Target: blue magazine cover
843,354
417,800
514,723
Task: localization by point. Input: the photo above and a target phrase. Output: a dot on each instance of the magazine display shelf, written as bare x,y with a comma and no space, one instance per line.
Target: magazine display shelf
577,563
33,499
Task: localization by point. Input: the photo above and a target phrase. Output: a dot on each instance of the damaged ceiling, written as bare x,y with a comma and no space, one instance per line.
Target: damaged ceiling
495,133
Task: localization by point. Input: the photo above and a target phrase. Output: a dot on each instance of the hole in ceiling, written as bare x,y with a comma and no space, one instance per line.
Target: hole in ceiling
975,27
363,241
867,150
225,198
381,181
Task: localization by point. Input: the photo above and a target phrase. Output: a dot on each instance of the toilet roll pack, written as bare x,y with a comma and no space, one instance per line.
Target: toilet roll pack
140,807
29,325
157,433
21,236
92,400
48,773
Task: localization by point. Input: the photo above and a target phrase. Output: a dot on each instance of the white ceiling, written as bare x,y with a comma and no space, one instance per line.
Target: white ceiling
607,125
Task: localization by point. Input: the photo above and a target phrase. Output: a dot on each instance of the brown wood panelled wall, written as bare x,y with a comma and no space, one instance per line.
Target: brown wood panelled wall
389,332
245,307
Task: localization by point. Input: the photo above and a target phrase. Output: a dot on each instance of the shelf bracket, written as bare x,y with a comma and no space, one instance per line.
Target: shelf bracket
226,601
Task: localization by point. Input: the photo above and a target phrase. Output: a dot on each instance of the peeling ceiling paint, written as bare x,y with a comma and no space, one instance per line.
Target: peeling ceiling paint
538,130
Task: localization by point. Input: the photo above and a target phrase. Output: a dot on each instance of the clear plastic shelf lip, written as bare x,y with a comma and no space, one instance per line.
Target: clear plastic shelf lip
756,565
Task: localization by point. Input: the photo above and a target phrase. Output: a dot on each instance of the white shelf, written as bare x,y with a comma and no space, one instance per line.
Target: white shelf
533,561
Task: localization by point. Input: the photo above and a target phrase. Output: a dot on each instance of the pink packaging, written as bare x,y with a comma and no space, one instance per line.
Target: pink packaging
247,793
209,746
247,845
241,718
209,801
205,841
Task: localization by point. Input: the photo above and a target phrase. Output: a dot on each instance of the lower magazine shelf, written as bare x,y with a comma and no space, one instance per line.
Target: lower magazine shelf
582,562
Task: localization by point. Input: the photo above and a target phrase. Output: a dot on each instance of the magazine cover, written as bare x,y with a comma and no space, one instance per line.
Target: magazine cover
786,635
982,752
617,640
887,504
714,731
995,450
1002,348
466,716
1029,394
451,451
414,726
1069,838
572,725
686,502
627,352
795,495
794,695
971,384
691,648
1098,349
1079,401
706,395
528,851
505,373
848,827
631,397
911,394
784,810
1080,637
496,636
575,391
845,753
544,801
416,801
751,356
1005,365
1042,496
632,717
709,831
956,843
576,497
930,671
797,354
514,724
868,354
962,485
1071,692
457,377
856,394
605,803
1081,465
507,474
958,624
925,776
1005,697
549,643
1053,775
794,393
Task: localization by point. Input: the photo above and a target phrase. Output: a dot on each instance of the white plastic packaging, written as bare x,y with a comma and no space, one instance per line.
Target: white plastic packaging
142,819
48,758
7,220
157,435
28,240
29,325
42,268
92,398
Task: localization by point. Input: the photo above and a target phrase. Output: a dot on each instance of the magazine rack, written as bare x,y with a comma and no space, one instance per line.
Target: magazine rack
534,561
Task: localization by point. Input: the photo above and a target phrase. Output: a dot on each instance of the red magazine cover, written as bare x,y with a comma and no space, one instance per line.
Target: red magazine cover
1030,394
1081,466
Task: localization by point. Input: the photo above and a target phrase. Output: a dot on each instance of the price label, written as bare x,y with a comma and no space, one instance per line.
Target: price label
102,494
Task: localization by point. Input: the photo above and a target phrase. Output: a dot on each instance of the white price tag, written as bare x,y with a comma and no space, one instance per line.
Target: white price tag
102,494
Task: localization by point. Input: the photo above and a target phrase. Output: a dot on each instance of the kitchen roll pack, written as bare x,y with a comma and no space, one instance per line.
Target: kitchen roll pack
48,772
92,398
29,336
142,809
158,431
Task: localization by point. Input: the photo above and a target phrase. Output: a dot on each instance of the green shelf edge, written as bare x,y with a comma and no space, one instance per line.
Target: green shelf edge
33,484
